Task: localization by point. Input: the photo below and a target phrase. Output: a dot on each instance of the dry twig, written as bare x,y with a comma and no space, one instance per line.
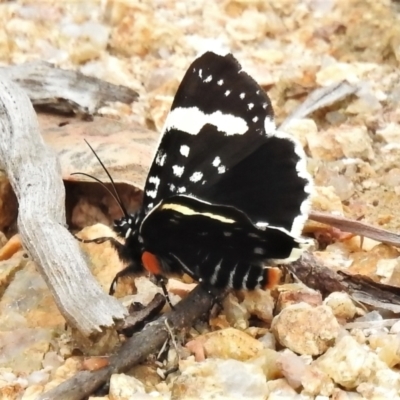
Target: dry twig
309,270
137,348
34,173
66,90
356,227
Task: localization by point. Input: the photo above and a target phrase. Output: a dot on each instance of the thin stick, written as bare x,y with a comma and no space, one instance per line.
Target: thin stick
138,347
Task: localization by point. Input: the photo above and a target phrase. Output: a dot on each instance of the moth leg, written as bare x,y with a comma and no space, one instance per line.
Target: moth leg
161,281
130,270
114,242
154,266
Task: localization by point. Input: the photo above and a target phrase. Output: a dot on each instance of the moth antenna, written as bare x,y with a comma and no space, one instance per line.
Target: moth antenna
105,187
115,195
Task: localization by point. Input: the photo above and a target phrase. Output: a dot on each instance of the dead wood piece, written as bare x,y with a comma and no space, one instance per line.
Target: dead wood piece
356,227
138,347
320,98
34,173
65,90
137,319
309,270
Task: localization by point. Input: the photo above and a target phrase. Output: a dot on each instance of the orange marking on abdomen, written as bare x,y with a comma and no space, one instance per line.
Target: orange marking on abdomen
151,263
273,276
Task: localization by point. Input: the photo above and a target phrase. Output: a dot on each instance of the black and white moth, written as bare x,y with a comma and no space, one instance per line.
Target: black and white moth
226,194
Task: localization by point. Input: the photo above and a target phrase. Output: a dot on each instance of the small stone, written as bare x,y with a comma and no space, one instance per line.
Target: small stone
180,288
305,329
98,398
339,394
386,267
220,379
316,382
337,72
324,146
259,303
71,366
268,361
324,198
341,305
11,391
236,314
387,347
392,178
124,387
390,133
228,343
294,296
300,128
250,25
395,328
350,364
279,389
32,392
268,340
292,368
23,349
355,142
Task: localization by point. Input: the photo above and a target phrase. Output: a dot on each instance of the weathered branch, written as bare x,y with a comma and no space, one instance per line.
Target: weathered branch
34,173
356,227
319,98
137,348
66,90
315,275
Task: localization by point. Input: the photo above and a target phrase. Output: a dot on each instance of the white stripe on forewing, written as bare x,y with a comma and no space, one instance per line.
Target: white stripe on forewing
191,120
189,211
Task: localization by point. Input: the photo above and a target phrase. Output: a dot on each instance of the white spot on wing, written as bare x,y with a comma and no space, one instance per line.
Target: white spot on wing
265,106
259,250
269,126
242,95
227,234
151,193
221,169
181,189
200,73
255,119
184,150
178,170
196,176
160,158
227,93
155,180
191,120
208,79
220,82
250,105
172,187
216,162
